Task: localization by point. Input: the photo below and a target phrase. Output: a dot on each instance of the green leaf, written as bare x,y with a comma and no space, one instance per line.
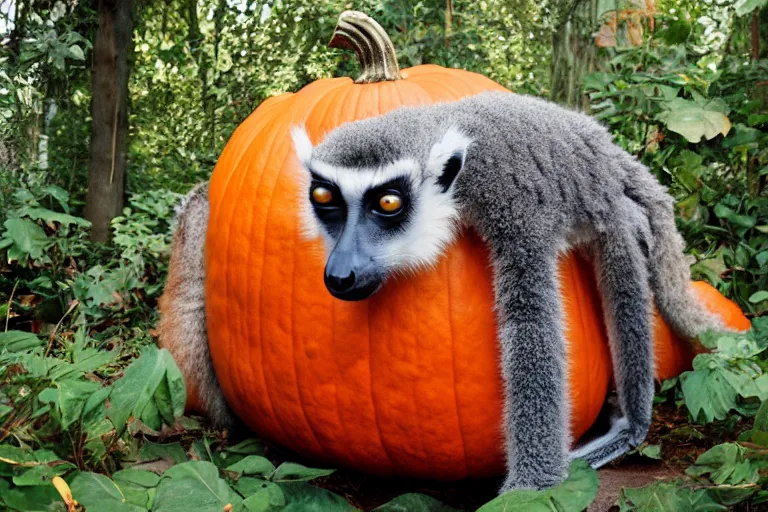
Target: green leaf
41,498
171,452
42,474
253,465
758,296
575,494
18,341
97,492
247,447
136,485
292,472
28,239
303,497
414,502
76,52
694,121
49,217
196,482
744,7
260,494
743,221
761,418
652,451
135,394
666,496
728,463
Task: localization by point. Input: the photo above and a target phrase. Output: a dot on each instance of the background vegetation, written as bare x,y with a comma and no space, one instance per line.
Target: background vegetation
682,84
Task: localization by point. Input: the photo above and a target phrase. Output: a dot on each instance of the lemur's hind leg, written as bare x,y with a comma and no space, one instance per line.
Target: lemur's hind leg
624,282
182,328
533,361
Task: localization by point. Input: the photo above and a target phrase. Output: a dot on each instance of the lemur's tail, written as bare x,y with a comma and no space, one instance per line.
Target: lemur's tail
669,271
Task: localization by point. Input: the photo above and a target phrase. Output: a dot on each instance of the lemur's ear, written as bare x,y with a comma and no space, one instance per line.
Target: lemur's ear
302,145
447,157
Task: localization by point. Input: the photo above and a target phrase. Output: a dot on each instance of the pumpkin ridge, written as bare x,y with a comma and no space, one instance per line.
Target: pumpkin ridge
453,367
331,95
580,318
247,307
261,125
469,88
299,395
370,386
329,99
296,379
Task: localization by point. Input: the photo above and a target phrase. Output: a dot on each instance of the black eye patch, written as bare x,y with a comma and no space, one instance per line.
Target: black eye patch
400,187
331,212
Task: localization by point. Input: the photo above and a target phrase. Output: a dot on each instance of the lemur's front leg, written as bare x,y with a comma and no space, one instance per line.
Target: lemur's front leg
623,278
533,363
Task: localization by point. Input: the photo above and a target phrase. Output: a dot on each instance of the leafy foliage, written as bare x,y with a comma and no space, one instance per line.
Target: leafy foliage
88,403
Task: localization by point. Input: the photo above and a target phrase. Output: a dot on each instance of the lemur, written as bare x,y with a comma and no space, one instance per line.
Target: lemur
389,194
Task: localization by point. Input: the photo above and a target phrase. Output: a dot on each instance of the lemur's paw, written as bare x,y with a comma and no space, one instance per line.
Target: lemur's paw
537,482
637,433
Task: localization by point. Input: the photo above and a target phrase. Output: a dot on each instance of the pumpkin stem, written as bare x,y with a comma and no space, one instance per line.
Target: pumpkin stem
360,33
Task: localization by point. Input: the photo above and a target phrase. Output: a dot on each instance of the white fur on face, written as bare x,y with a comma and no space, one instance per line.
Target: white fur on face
433,220
432,227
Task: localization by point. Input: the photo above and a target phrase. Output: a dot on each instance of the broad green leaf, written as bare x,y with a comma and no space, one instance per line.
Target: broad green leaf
97,492
135,393
247,447
414,502
18,341
292,472
744,7
728,463
652,451
575,494
69,397
136,485
42,498
693,120
50,216
303,497
758,296
261,496
761,418
76,52
171,452
666,496
195,483
42,474
742,221
253,465
28,238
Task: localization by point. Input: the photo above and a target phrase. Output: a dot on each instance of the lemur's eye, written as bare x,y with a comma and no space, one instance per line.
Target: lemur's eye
390,203
322,195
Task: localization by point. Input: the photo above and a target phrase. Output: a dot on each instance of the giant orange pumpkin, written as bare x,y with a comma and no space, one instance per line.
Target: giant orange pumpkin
406,383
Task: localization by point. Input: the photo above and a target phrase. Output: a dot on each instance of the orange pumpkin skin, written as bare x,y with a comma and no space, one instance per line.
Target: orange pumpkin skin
406,383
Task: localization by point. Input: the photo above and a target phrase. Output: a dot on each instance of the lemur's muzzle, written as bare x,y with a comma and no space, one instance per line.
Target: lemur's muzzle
348,279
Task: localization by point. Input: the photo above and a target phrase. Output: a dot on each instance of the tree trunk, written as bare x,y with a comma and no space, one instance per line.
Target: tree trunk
573,51
109,110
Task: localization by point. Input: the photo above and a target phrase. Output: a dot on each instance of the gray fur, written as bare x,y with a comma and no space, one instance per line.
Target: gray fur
182,328
535,180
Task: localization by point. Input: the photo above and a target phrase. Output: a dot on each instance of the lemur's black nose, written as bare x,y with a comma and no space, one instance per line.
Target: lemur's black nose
339,284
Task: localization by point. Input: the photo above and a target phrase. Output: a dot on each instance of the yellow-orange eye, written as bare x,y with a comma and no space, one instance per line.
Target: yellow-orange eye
390,203
322,195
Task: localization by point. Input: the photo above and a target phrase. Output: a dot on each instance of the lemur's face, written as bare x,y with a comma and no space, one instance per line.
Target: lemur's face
380,220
